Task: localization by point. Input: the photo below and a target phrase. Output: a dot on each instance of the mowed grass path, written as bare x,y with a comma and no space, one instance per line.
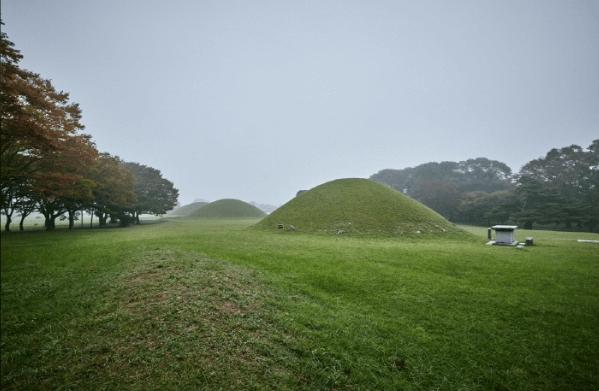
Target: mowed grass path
281,310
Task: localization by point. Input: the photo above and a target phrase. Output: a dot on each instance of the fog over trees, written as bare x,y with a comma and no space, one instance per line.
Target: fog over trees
561,188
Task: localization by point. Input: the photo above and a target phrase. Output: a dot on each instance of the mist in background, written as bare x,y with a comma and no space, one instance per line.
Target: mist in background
256,100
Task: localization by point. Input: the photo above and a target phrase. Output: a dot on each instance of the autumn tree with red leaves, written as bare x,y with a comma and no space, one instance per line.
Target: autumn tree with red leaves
47,165
40,147
60,183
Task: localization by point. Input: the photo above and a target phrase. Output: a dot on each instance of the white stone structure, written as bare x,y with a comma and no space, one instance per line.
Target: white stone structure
504,235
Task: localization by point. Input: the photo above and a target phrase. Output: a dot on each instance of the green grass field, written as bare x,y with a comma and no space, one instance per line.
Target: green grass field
206,304
36,222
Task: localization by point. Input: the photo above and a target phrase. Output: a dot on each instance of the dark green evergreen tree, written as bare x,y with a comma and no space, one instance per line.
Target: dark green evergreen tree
155,195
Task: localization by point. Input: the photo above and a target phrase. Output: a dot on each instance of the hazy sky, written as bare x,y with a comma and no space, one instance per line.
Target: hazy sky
256,100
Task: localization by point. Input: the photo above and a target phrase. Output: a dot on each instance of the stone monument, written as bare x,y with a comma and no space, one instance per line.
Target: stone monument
504,235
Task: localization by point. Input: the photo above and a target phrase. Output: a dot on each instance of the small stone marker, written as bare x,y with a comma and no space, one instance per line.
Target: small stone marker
280,226
529,241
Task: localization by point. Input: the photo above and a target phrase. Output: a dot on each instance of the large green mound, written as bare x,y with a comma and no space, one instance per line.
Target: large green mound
356,205
187,209
227,209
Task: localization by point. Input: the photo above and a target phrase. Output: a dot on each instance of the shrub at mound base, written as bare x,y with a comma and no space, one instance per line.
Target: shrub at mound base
228,209
356,205
187,209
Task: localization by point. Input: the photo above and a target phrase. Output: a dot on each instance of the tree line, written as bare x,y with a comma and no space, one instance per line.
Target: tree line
560,189
48,166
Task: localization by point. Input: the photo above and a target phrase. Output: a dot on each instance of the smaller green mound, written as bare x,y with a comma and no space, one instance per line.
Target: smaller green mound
227,209
186,209
357,206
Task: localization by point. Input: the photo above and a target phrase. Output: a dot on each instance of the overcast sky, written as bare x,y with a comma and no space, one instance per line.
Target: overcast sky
256,100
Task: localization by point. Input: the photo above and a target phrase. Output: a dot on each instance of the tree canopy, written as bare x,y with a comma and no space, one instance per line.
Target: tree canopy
155,194
561,187
48,165
479,174
37,121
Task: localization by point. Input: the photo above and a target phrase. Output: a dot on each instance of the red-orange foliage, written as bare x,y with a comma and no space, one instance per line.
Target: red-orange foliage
37,121
60,170
40,145
60,180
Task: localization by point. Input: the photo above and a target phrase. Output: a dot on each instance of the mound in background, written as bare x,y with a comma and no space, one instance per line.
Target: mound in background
228,209
356,205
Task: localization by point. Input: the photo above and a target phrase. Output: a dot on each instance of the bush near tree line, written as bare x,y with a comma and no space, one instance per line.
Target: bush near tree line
561,188
48,166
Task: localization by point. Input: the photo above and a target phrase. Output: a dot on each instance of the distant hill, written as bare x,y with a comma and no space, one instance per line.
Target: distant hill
356,205
227,208
186,209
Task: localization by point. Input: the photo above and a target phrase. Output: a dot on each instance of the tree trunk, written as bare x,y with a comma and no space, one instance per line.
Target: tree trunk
71,219
24,213
51,222
48,212
136,217
7,225
46,219
102,219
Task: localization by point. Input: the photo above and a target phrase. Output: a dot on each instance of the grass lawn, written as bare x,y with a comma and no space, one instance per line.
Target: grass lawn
204,304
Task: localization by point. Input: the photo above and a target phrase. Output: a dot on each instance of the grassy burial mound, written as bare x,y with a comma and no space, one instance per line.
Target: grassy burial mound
186,210
356,205
228,209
